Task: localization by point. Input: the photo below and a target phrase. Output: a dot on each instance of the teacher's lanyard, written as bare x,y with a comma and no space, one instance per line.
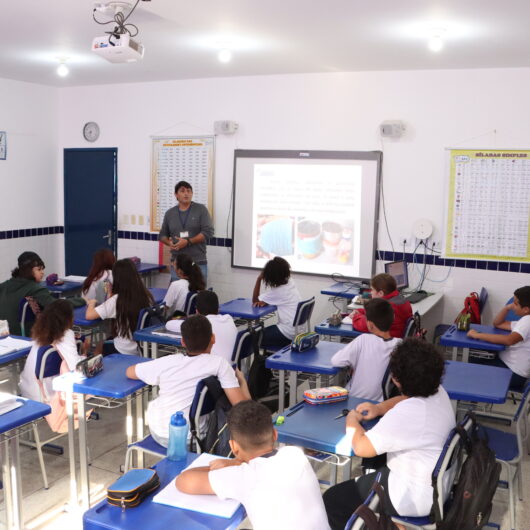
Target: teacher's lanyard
183,223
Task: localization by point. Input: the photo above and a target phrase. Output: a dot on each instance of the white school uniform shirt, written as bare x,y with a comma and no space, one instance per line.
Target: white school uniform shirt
225,332
517,357
279,492
285,298
123,344
177,376
368,355
96,290
412,434
175,298
29,387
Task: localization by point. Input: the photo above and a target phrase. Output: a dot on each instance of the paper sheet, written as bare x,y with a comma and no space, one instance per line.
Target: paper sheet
79,279
347,320
210,504
9,344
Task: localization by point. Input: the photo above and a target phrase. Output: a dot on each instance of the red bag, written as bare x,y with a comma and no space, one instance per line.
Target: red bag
471,308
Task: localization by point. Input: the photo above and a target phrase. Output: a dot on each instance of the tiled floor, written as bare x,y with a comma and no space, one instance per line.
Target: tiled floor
45,509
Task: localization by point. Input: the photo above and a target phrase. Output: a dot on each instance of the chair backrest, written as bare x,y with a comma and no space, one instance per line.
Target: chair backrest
389,388
189,305
520,420
47,364
511,316
302,317
482,299
202,404
410,328
247,342
356,522
151,316
25,315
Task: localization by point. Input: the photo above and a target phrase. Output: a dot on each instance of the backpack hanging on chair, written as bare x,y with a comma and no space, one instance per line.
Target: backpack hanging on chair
470,314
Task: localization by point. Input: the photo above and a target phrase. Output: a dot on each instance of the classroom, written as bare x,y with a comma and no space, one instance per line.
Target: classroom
301,77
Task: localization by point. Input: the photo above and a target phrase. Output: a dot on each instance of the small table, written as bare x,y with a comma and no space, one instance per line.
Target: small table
146,270
314,361
156,516
343,331
242,308
10,429
67,288
459,339
111,383
150,341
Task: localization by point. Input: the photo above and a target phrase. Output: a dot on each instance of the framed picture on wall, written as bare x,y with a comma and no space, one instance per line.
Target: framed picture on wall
3,145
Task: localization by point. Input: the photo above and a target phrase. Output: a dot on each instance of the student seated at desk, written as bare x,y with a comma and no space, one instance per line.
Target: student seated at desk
369,353
177,376
412,432
25,282
516,356
98,283
278,488
384,286
129,296
281,292
191,279
223,327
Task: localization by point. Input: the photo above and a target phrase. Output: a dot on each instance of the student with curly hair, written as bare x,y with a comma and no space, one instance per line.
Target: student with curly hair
411,432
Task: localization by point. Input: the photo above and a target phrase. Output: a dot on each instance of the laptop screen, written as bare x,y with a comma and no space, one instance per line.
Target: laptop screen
398,269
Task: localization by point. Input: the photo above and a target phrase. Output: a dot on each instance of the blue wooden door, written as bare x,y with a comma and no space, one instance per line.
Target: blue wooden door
90,209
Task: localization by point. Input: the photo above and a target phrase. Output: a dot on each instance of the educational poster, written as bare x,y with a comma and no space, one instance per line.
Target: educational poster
179,158
488,205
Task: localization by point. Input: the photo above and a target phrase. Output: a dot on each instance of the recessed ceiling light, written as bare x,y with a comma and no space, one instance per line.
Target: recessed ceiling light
62,69
436,43
224,55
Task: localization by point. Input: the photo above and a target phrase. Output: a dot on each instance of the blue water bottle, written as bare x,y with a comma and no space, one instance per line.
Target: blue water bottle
178,437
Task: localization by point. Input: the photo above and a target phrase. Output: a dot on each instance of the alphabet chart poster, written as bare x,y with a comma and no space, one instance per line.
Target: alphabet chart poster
488,212
180,158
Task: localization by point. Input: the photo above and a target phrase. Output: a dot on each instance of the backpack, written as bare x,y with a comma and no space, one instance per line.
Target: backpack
373,521
472,496
418,332
470,314
217,434
154,316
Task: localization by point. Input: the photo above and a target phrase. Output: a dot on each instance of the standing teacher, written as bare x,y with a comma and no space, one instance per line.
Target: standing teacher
186,227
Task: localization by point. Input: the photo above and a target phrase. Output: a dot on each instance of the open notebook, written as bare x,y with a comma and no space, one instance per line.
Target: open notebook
10,344
210,504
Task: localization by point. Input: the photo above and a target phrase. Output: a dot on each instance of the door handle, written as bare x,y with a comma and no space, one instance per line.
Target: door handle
109,237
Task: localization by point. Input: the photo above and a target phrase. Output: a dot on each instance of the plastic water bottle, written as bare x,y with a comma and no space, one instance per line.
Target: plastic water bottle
178,437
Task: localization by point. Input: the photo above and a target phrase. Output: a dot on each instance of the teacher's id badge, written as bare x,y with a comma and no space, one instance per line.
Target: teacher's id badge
184,234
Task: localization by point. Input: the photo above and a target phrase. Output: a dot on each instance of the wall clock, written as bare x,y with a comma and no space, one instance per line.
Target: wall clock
91,131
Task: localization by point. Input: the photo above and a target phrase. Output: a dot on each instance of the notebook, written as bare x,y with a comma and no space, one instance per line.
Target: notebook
9,345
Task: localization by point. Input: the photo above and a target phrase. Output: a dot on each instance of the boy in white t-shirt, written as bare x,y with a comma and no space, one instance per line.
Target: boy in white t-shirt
224,329
278,489
369,353
412,432
516,356
177,376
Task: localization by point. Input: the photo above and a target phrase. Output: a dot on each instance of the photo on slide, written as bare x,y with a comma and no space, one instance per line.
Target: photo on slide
274,236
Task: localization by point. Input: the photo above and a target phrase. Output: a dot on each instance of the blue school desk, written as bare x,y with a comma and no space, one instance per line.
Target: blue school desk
344,330
342,290
146,270
243,308
11,362
113,384
11,426
150,341
158,294
61,291
459,339
153,516
314,361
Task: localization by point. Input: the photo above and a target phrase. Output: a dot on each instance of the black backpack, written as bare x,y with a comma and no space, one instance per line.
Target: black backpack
154,316
473,493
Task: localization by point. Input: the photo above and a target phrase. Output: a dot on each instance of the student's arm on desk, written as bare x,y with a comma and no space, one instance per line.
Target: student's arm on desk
505,340
131,372
195,481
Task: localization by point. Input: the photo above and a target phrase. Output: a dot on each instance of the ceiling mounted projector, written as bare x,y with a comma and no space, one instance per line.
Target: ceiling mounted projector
118,48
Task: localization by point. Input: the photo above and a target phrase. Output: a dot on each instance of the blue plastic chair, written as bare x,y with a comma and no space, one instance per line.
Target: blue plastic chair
355,522
302,317
410,328
189,305
25,316
245,342
511,316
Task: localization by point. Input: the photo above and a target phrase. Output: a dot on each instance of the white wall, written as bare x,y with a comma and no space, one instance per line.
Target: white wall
337,111
30,183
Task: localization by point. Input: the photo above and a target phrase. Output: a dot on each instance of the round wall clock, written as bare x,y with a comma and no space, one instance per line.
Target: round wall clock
91,131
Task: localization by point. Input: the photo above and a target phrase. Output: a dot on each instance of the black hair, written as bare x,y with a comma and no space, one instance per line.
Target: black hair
276,272
182,184
207,303
380,313
26,261
523,295
418,367
250,425
196,332
192,271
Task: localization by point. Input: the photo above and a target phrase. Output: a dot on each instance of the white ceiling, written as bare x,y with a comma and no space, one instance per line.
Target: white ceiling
267,37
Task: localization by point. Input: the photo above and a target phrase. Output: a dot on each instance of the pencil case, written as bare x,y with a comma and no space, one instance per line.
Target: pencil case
132,488
90,366
305,341
328,394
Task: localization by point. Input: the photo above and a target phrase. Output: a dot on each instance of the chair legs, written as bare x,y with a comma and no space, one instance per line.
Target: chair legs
38,446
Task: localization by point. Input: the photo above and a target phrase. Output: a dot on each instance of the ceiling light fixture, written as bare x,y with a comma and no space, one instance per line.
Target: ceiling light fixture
224,55
436,42
62,69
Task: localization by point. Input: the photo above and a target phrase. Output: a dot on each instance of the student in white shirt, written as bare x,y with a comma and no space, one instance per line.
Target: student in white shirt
191,280
224,329
516,356
281,292
368,354
412,433
129,296
98,283
52,327
278,489
177,376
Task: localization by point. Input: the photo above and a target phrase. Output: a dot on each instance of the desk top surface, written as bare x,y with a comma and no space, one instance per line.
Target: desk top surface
243,308
344,330
342,290
144,268
111,381
155,516
314,427
158,293
17,354
29,411
476,382
147,335
64,288
453,337
316,360
422,307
